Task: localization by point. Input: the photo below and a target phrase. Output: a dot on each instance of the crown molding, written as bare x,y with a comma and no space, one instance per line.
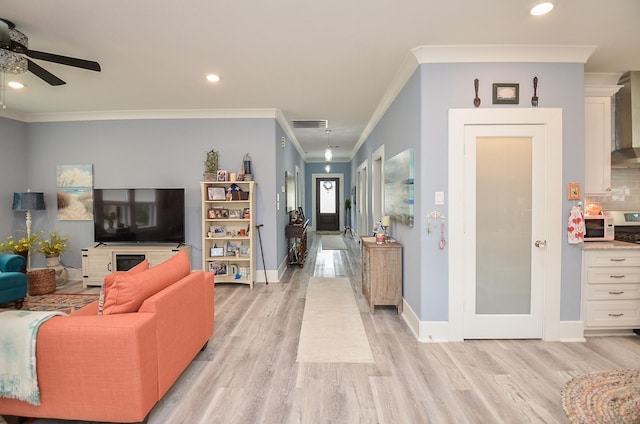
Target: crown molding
150,114
503,53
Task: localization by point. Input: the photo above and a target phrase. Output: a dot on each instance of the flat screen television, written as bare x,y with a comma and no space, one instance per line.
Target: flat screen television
138,215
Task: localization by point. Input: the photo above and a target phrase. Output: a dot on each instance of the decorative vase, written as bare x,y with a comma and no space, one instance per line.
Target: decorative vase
53,261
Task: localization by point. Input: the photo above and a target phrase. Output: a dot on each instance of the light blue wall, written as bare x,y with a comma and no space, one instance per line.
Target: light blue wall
13,176
438,88
144,153
287,158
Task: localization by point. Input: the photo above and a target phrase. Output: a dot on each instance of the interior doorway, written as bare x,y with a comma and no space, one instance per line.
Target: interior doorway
545,236
314,198
362,200
327,204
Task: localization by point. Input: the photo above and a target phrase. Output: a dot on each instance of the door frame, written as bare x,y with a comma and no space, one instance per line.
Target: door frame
551,118
377,183
362,196
314,181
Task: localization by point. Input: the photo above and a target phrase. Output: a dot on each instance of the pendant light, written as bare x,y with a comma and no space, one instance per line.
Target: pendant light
327,153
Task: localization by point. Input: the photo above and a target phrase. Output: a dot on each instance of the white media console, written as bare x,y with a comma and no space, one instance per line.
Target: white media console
104,259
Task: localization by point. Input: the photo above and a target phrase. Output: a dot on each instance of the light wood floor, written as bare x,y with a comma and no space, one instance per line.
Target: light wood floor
249,374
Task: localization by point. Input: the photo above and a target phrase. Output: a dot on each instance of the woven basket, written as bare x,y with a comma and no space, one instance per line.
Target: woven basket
41,281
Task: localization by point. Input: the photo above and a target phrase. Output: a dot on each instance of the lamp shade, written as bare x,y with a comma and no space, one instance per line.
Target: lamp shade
28,201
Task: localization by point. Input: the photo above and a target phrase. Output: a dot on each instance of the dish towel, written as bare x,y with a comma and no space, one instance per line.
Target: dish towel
575,228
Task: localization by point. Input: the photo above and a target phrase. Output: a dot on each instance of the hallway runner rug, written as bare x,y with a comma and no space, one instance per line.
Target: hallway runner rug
333,242
332,329
603,397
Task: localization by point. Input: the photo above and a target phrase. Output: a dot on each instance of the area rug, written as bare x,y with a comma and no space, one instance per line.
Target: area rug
333,242
603,397
54,302
332,329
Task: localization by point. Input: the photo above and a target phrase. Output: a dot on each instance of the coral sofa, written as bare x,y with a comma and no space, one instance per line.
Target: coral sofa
114,367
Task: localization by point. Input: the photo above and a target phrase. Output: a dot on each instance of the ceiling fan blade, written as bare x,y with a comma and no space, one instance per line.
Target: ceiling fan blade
43,74
64,60
5,40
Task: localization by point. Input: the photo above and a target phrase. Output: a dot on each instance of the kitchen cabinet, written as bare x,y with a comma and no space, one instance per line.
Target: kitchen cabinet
611,290
598,138
382,273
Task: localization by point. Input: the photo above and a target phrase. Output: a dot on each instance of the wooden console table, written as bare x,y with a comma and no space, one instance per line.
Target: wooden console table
296,243
382,273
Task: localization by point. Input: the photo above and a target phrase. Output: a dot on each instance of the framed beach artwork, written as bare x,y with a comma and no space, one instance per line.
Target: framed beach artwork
74,191
398,187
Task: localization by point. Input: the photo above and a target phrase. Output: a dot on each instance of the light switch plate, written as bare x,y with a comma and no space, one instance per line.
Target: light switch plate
439,197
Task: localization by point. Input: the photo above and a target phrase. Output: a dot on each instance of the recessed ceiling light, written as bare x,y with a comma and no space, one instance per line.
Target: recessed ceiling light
213,78
15,84
542,8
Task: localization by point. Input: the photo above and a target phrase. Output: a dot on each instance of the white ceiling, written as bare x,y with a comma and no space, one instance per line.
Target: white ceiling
332,59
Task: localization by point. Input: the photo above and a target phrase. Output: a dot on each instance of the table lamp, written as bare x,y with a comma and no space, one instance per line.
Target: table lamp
385,221
27,202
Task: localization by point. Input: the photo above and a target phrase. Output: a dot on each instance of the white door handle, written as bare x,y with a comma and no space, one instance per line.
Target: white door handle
541,243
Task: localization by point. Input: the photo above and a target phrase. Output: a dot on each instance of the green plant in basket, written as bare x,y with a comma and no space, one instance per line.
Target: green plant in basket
52,245
24,244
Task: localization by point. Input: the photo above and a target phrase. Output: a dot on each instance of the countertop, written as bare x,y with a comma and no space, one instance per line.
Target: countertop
603,245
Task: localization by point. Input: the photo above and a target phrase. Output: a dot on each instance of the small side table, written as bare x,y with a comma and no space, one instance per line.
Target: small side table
41,281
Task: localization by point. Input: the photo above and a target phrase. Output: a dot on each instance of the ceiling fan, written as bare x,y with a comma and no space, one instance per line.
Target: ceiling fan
14,47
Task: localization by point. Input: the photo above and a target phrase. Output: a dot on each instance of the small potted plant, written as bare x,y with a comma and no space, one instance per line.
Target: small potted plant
20,247
51,247
211,165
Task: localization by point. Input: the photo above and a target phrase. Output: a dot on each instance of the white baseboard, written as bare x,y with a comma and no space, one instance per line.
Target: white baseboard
425,331
438,331
571,331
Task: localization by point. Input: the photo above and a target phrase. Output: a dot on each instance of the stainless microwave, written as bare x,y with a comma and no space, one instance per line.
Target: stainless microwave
598,228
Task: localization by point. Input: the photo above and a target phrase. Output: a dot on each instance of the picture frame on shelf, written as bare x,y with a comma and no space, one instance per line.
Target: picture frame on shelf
224,213
222,176
211,213
232,248
219,268
218,230
217,251
246,213
506,93
216,193
217,213
244,250
235,213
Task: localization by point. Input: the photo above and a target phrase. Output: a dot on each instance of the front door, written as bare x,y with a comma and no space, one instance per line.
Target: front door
505,225
327,204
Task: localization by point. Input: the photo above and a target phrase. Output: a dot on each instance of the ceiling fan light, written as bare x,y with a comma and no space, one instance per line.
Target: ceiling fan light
10,62
542,8
15,84
213,78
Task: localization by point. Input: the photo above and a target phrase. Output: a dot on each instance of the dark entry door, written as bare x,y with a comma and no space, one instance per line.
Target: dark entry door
327,209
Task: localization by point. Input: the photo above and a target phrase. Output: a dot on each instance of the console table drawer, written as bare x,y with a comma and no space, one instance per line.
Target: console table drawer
620,313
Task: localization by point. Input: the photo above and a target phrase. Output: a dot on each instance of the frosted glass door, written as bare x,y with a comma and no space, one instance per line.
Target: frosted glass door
503,225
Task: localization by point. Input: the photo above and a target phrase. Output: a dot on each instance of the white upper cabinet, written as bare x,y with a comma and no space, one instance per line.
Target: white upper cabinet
598,133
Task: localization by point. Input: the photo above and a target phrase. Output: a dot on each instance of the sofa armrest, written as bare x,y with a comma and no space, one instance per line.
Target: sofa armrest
11,263
94,368
185,323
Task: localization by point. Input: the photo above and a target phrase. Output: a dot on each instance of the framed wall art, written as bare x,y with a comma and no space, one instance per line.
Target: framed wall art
506,93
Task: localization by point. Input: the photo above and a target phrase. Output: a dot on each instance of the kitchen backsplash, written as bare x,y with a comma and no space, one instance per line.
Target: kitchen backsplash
625,191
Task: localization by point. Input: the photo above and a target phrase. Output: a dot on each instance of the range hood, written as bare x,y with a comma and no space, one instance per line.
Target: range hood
627,122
